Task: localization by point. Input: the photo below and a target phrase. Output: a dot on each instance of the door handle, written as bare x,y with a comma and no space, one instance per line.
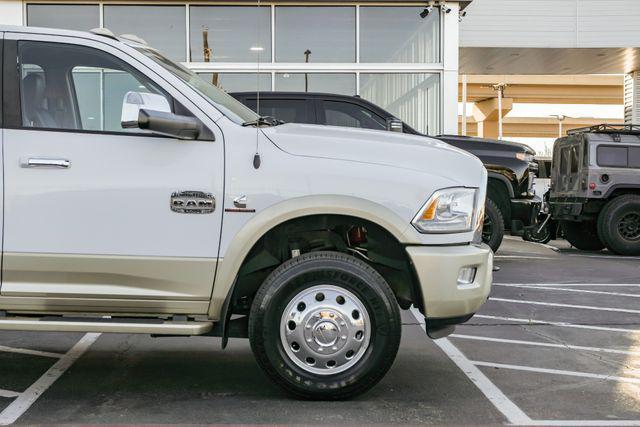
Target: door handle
37,162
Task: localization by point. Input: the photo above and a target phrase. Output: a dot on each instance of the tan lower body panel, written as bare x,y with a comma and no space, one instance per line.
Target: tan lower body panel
161,328
104,306
106,283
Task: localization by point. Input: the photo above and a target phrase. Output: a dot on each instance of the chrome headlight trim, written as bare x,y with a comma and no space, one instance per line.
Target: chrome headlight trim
459,221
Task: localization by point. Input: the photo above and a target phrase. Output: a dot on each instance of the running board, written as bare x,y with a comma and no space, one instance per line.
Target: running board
124,326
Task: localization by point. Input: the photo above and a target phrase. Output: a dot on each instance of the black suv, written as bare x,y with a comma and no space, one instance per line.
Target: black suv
510,204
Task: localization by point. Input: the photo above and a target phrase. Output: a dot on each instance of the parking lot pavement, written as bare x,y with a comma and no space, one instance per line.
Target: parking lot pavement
558,343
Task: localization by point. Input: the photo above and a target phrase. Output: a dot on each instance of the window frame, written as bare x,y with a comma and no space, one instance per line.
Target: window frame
626,148
13,97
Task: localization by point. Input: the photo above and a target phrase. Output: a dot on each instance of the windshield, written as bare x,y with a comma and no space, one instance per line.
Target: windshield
227,105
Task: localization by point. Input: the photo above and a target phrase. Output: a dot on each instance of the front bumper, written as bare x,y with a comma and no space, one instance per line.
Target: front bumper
438,269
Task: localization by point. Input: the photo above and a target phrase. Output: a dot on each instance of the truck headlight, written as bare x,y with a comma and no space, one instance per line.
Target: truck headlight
450,210
526,157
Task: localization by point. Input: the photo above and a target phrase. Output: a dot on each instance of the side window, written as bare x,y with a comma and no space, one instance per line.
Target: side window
612,156
634,157
73,87
564,160
351,115
287,110
575,158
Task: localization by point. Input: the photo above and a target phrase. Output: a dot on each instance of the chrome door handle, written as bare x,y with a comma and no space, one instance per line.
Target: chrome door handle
37,162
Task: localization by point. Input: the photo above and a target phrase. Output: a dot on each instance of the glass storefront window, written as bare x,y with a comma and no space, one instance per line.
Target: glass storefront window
344,84
327,33
234,33
163,27
67,16
412,97
399,34
239,82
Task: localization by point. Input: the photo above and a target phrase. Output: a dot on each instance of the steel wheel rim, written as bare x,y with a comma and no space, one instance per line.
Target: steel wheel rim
629,226
325,330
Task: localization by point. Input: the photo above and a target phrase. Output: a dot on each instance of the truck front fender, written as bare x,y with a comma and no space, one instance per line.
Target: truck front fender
244,240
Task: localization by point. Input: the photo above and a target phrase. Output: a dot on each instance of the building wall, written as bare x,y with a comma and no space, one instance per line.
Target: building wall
384,52
551,23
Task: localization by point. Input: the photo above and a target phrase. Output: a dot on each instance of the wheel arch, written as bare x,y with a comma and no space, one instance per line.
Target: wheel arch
499,190
290,210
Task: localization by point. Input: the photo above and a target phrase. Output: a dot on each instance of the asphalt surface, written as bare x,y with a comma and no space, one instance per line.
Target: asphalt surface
541,351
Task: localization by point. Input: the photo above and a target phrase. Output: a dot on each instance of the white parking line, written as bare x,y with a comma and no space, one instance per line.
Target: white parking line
24,401
8,393
586,423
557,288
502,403
561,324
545,344
555,304
522,257
30,352
557,372
613,285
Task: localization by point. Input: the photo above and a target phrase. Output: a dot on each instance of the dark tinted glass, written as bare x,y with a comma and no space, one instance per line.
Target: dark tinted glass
575,159
612,156
67,16
287,110
351,115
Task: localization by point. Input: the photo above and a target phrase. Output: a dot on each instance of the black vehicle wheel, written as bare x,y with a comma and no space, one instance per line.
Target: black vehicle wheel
582,235
325,325
619,225
536,235
493,227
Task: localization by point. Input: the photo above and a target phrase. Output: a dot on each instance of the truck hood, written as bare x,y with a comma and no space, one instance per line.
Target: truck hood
416,153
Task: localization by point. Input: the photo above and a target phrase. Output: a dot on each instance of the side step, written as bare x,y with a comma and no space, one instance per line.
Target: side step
124,326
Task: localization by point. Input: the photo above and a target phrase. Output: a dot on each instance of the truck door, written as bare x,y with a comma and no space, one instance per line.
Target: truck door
89,204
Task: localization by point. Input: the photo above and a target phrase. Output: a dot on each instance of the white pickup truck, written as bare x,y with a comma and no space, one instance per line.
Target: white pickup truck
137,198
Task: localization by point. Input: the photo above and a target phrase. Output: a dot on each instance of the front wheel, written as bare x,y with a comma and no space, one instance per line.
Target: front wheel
493,226
325,325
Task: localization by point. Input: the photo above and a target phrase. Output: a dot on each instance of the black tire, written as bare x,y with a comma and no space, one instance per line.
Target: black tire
493,227
619,225
533,235
342,272
582,235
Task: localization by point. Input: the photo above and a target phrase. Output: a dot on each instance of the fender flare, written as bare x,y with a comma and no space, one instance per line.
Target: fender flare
261,223
504,180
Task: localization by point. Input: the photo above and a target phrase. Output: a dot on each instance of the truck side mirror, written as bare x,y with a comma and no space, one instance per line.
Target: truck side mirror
395,125
133,102
150,111
169,124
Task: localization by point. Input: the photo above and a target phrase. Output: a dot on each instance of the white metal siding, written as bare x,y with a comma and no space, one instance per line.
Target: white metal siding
551,23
